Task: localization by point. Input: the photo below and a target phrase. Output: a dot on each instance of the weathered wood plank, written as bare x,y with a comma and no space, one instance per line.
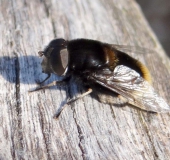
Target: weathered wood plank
87,129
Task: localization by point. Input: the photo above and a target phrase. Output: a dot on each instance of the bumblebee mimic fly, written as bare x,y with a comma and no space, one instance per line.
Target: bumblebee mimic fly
102,68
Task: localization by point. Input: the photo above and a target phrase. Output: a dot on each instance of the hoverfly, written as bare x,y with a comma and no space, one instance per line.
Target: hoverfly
102,68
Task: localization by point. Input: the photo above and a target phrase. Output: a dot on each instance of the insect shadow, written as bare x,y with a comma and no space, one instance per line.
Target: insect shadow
28,70
22,69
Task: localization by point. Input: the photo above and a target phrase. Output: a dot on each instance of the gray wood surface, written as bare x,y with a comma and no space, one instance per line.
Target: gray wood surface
87,129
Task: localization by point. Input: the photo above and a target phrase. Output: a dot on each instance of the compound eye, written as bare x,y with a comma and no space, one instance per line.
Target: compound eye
64,58
59,62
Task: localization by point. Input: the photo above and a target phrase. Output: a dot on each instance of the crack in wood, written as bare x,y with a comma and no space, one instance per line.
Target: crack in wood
17,138
47,11
80,133
45,138
17,84
53,26
146,128
81,141
46,7
19,135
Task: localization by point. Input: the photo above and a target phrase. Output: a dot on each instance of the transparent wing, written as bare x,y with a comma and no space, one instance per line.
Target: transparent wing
132,49
130,85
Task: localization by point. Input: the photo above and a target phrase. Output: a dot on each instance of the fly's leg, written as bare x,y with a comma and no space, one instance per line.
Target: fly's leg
70,101
54,83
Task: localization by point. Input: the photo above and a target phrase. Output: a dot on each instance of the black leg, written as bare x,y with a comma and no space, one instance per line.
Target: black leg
70,101
44,79
54,83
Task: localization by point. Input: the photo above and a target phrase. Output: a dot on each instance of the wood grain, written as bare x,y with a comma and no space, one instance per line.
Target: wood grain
87,129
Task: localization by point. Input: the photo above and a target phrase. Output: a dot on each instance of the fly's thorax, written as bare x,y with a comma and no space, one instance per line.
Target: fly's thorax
85,55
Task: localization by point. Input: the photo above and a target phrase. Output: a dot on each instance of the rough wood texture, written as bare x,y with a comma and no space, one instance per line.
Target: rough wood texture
87,129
